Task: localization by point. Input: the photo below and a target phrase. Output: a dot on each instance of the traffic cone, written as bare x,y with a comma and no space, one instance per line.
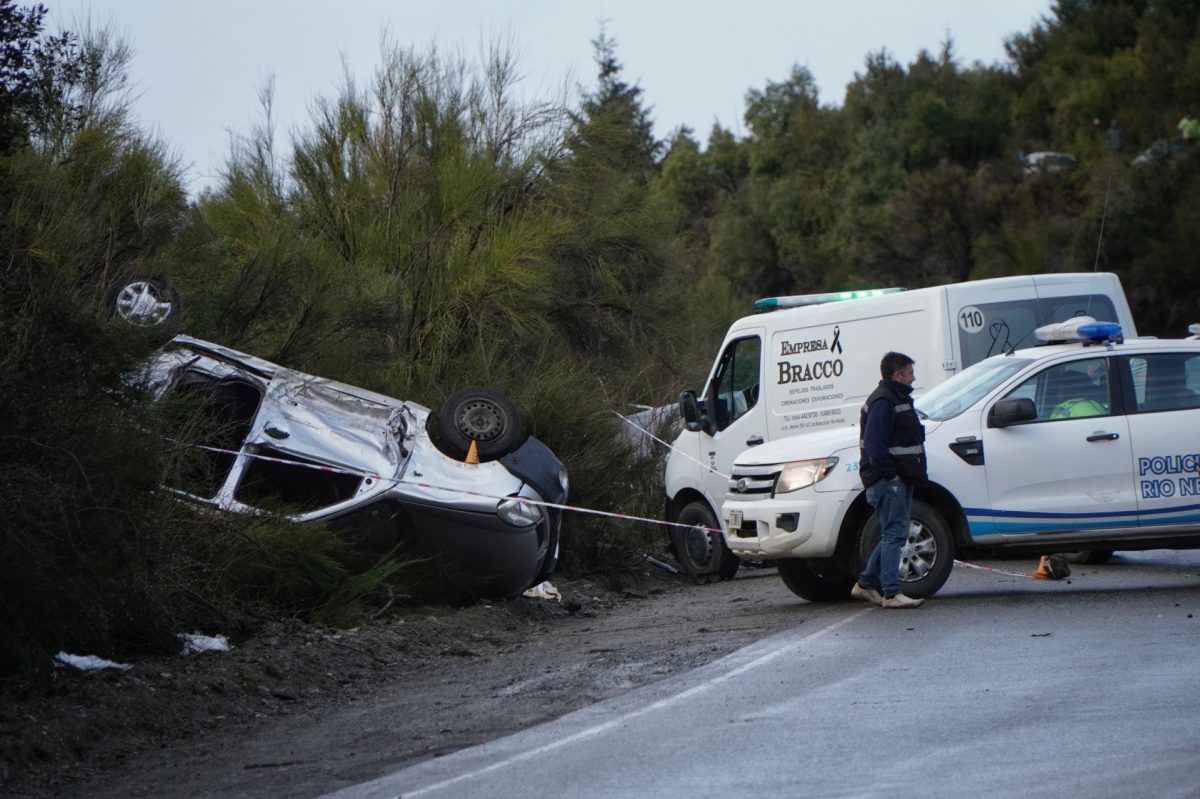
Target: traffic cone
1053,567
472,454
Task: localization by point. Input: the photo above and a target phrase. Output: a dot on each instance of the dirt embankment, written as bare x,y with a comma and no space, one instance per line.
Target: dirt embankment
302,710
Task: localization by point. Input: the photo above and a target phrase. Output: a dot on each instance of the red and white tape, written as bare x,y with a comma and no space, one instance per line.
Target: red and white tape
432,487
674,449
528,500
990,570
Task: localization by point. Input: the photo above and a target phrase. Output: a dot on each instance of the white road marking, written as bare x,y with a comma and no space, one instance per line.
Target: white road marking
598,729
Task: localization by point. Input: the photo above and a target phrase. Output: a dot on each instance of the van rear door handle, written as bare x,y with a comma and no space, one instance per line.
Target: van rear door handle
1103,437
754,441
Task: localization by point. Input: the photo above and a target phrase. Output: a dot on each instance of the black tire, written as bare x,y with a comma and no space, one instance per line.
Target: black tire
927,558
145,301
816,579
482,415
702,554
1090,557
433,426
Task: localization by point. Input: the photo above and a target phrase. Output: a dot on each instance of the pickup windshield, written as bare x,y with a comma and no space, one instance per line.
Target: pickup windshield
960,392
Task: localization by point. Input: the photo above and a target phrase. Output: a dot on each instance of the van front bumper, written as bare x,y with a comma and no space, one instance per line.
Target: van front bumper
798,525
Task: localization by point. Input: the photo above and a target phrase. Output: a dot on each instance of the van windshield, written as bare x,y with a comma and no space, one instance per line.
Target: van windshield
949,399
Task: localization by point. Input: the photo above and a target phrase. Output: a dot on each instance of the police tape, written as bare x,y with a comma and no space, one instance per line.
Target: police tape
671,447
526,500
990,570
432,487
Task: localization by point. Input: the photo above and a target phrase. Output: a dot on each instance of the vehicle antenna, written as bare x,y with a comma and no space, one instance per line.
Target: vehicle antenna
1103,218
1100,238
1095,266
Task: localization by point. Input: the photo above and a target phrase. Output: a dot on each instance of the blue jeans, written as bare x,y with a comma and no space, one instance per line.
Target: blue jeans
892,502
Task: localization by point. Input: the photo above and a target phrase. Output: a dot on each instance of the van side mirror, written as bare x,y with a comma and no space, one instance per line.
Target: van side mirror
1011,411
689,409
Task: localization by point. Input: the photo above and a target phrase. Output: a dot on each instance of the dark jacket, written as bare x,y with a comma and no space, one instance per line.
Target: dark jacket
892,438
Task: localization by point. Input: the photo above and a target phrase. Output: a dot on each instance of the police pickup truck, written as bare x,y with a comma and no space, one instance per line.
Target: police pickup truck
1088,442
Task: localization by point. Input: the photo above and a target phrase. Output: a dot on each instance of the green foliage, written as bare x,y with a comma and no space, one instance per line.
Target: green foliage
93,558
430,231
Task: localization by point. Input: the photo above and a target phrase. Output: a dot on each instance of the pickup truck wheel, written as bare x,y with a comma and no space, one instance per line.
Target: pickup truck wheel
815,579
928,555
702,553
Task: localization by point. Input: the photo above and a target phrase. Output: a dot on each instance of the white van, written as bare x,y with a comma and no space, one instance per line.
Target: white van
807,363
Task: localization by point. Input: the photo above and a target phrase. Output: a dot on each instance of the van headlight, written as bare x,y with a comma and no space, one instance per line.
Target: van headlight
518,513
802,474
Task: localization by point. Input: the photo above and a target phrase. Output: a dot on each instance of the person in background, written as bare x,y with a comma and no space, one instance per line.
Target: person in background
1114,137
891,463
1189,128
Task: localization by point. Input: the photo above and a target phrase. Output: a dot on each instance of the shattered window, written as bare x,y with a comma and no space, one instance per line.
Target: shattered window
299,483
213,418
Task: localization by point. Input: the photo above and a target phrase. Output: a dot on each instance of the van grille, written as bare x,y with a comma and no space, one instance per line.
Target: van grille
753,481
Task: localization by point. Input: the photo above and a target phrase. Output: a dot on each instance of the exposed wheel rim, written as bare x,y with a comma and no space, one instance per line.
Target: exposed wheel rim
139,303
919,553
481,420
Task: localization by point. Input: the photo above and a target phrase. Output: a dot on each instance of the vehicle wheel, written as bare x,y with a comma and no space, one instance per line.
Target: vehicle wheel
433,427
482,415
1091,557
145,301
815,579
702,554
928,555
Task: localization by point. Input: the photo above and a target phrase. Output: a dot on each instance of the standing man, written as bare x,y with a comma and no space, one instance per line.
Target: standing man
891,462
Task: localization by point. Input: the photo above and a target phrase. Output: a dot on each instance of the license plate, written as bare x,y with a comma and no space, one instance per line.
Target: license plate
734,519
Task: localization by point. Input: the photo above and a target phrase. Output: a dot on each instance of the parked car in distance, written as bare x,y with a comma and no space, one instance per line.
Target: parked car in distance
1088,445
379,471
1161,152
1046,162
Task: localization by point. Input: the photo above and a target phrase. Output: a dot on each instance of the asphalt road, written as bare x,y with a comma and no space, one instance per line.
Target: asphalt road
999,686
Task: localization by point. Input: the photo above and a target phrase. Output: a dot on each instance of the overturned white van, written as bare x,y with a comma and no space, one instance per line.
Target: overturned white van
806,363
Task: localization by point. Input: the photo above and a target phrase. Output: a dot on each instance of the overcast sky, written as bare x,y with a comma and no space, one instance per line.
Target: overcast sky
199,64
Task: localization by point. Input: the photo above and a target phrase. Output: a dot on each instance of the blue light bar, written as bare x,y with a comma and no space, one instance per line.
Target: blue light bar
1099,331
1079,328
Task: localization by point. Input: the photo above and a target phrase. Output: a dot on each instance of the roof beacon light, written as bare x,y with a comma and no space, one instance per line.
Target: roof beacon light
801,300
1080,328
1194,330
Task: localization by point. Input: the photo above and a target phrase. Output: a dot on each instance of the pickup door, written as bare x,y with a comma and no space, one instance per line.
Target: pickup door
1062,472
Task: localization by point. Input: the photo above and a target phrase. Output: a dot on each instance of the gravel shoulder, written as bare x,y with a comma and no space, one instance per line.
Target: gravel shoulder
302,710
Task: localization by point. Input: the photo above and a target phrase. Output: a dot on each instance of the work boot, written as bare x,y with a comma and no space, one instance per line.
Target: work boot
866,594
901,601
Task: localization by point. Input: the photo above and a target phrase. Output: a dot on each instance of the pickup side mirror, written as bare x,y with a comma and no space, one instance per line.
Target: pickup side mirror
694,418
1011,411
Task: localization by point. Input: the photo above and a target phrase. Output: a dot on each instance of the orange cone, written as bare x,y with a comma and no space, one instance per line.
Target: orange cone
1053,567
472,454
